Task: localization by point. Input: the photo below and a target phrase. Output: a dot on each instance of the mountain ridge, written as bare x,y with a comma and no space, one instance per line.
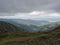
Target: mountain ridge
7,27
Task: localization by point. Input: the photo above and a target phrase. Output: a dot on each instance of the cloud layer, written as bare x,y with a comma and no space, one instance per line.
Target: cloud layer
30,9
13,6
35,15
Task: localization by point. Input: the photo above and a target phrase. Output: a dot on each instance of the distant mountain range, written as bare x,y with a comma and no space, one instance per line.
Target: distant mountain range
27,22
32,25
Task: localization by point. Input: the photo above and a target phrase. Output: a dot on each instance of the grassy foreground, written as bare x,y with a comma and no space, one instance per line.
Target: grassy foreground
34,38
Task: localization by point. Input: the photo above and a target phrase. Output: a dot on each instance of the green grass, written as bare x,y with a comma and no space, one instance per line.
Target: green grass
26,38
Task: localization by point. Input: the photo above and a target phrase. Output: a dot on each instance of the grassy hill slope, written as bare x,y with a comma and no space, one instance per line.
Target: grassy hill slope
7,27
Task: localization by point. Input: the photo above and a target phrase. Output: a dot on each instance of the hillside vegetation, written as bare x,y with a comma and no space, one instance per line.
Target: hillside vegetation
7,27
8,37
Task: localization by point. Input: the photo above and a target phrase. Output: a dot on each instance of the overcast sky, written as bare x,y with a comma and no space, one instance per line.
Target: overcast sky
29,8
29,5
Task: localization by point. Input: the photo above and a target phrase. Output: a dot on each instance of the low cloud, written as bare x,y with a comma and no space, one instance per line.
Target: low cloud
33,15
